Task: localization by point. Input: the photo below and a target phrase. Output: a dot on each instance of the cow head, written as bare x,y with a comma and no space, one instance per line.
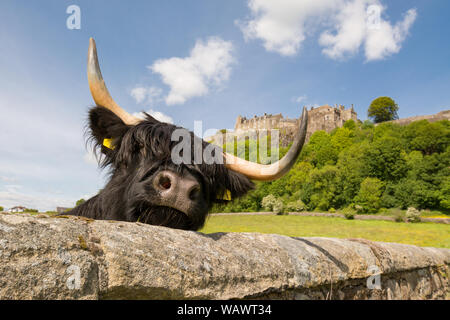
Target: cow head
147,184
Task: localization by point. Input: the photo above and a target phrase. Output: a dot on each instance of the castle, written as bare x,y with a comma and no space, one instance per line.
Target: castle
321,118
325,118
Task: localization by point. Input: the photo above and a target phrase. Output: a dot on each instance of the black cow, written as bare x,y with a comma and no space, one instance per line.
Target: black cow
147,183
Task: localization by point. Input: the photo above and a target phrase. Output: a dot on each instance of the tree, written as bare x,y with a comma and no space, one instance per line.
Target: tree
81,201
342,138
445,194
1,208
369,195
295,178
325,187
351,170
350,124
427,137
385,159
416,193
320,150
383,109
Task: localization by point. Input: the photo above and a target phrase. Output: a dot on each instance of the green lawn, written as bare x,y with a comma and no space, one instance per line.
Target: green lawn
420,234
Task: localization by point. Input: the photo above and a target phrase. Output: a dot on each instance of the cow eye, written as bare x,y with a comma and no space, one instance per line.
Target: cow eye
148,174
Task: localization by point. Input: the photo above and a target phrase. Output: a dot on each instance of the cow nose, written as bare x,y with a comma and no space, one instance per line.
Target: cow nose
194,192
165,182
180,192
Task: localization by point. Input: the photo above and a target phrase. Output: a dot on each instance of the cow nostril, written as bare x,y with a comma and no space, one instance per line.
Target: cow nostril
194,193
165,183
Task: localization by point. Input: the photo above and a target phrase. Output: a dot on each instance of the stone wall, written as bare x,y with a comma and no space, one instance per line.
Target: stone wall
443,115
76,258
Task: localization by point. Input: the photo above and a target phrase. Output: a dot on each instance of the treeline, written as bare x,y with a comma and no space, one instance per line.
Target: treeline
360,166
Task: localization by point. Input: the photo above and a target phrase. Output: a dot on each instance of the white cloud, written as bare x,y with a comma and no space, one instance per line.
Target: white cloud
146,95
208,65
349,31
301,98
155,114
387,40
284,24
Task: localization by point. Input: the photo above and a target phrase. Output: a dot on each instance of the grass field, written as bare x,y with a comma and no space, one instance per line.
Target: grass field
420,234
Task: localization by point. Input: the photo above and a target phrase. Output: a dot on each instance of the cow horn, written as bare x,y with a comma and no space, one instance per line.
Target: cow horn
275,170
98,88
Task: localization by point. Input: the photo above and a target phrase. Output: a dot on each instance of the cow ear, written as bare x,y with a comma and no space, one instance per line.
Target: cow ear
237,185
106,129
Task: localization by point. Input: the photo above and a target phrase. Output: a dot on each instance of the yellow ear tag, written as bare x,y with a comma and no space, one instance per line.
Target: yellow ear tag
108,143
226,196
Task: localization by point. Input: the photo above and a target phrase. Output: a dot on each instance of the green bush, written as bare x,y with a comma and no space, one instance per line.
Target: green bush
295,206
278,207
271,203
412,215
81,201
31,210
399,217
268,202
397,213
1,208
349,213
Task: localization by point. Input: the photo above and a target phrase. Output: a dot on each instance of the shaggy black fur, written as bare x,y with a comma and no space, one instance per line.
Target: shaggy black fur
139,153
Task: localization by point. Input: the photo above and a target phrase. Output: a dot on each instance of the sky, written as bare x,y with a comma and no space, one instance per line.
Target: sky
202,60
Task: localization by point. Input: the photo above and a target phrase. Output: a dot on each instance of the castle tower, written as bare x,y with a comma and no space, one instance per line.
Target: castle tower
238,122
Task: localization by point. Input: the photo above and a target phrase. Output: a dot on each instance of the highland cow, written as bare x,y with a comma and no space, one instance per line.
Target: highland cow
146,183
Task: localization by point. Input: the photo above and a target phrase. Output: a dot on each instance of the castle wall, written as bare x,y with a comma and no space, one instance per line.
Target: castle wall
443,115
328,118
322,118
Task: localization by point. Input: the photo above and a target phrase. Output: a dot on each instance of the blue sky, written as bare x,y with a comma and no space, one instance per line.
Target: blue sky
205,60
